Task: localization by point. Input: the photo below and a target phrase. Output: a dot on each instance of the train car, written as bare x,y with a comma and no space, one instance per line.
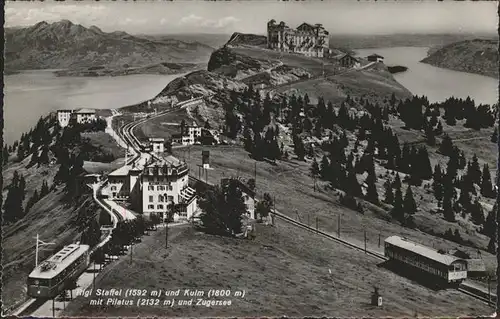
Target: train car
48,279
446,268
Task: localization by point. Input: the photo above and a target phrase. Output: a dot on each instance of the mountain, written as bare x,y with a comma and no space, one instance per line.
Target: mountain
478,56
65,45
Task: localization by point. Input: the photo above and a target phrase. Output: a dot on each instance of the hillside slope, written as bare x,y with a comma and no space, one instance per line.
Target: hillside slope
474,56
66,45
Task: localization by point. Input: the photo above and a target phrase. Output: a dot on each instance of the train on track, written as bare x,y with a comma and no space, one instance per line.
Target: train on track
51,276
441,267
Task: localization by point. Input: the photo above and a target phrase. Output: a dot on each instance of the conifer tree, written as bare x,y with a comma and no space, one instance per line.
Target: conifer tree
45,189
397,182
489,225
353,188
20,153
389,196
324,168
371,192
398,209
446,146
494,135
475,171
34,159
315,171
438,190
448,213
299,148
477,213
13,205
5,154
486,186
492,245
409,204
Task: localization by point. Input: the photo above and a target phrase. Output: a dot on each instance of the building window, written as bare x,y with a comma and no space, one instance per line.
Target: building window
160,198
159,206
151,199
170,198
151,188
170,187
113,188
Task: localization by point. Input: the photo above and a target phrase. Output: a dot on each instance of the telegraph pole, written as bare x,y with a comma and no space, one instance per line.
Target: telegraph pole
255,173
131,251
338,227
365,241
489,290
166,233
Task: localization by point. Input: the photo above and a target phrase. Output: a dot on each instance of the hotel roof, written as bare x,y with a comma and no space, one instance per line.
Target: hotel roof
122,171
166,160
85,111
422,250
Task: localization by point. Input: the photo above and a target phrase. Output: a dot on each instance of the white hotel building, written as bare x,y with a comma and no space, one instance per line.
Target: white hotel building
81,116
165,183
188,135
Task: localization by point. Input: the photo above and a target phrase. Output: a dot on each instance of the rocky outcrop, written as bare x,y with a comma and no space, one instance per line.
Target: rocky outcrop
478,56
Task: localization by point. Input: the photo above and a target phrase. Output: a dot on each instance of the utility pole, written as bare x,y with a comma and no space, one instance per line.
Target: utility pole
206,175
131,251
38,244
338,227
316,223
314,185
53,308
489,290
166,234
365,241
379,239
255,173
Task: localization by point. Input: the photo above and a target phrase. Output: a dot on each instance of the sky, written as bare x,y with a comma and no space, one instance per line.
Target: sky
337,16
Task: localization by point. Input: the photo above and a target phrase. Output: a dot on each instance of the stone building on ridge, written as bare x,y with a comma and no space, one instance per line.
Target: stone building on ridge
309,40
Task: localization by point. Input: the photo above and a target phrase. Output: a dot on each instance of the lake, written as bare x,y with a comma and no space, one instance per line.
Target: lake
436,83
31,94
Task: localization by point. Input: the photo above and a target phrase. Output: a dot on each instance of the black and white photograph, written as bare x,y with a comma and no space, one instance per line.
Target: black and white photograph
250,159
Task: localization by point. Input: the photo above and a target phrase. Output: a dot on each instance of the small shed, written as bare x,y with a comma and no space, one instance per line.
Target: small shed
375,58
348,61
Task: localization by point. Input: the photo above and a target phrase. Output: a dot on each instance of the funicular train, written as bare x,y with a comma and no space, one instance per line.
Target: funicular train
51,276
446,269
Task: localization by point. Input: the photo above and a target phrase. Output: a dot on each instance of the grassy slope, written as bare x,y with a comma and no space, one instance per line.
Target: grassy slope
50,217
285,270
104,141
290,182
